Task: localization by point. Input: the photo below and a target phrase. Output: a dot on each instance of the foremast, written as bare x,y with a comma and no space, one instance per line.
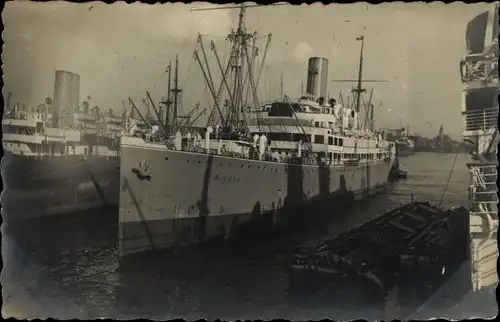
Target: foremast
239,78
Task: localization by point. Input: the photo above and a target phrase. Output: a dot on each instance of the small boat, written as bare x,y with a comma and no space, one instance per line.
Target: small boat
402,174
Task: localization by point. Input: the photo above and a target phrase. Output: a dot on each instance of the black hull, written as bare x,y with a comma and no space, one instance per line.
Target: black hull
40,187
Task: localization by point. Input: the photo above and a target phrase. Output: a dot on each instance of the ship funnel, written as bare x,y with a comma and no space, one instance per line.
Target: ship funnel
317,77
66,98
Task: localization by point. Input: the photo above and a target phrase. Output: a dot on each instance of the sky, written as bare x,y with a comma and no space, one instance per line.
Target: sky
121,50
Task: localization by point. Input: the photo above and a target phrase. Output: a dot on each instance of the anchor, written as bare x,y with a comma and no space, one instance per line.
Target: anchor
143,170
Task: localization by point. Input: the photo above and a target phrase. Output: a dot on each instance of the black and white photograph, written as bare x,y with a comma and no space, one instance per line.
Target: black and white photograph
250,161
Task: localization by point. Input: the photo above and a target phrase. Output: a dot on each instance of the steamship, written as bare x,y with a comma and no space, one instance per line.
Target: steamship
405,147
479,71
253,168
59,158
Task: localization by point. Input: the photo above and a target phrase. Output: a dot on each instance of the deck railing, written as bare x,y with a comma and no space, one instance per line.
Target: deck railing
483,189
481,119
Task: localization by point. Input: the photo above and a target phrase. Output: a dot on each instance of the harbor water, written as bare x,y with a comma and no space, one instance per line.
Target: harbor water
68,267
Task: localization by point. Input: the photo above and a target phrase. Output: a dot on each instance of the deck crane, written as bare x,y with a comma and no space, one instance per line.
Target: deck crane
187,118
191,122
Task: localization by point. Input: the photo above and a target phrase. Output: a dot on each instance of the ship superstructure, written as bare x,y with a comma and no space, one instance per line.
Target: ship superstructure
404,145
253,167
479,70
59,157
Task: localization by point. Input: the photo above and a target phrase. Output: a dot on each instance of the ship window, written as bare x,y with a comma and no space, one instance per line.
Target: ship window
316,124
341,142
279,137
319,139
166,158
296,137
330,140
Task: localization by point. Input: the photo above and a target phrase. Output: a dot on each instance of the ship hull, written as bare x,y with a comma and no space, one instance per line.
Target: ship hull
404,151
48,186
192,198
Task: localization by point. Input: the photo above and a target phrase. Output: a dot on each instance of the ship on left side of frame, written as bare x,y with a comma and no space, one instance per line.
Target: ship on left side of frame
60,156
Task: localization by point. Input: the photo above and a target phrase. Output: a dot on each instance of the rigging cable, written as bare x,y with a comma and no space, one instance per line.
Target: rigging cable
449,178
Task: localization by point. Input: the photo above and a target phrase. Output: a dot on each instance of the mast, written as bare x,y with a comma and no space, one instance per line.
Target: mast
281,88
239,61
359,89
356,99
169,101
176,90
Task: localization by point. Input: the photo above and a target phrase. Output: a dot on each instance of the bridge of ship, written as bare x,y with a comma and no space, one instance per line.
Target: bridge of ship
414,235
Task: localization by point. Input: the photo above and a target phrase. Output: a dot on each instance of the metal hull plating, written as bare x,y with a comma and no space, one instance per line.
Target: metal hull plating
53,185
190,198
